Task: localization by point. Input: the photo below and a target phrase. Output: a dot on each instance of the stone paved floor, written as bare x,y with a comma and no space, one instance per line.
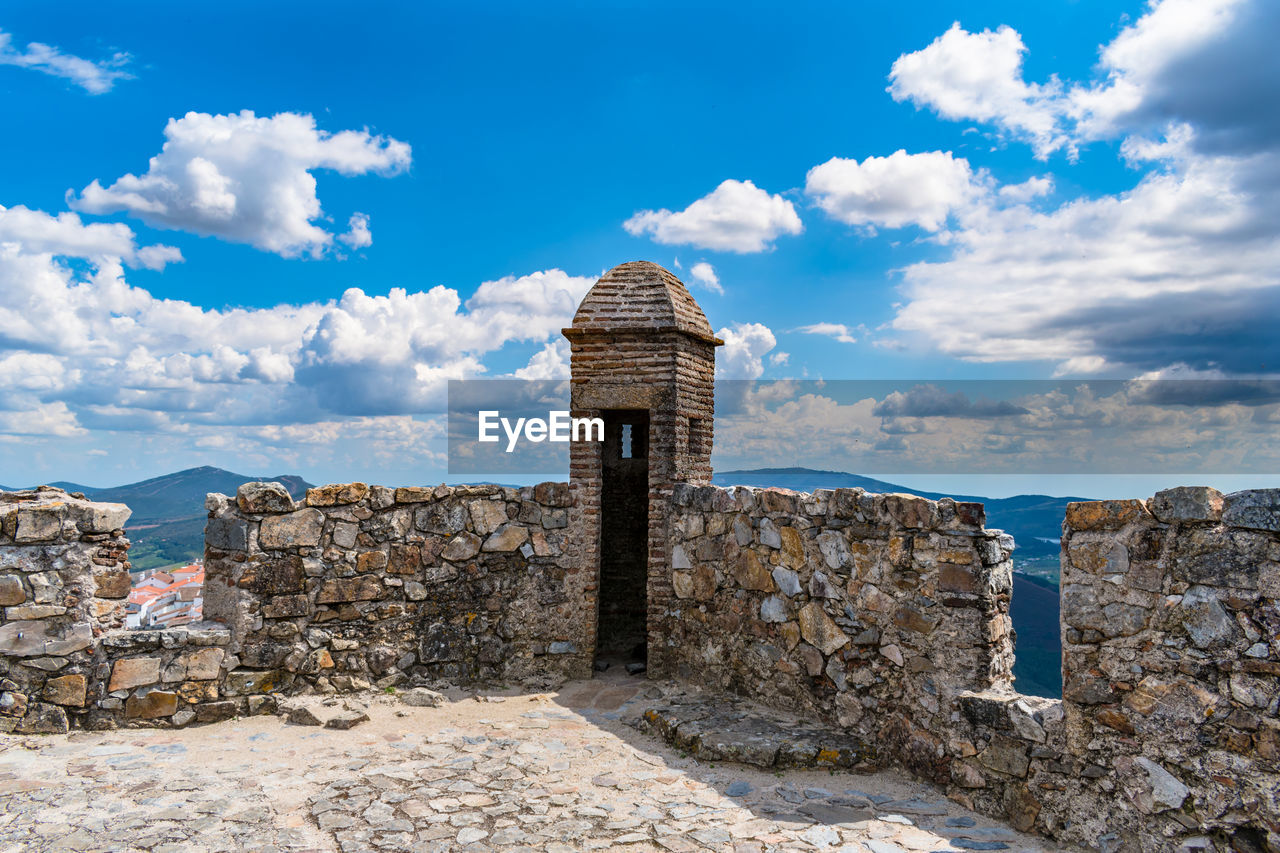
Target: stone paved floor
554,772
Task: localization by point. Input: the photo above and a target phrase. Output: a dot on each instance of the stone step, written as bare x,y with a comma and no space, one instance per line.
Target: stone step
721,730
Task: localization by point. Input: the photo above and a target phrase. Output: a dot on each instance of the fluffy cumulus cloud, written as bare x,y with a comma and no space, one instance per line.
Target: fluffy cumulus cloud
705,274
901,189
745,346
248,179
94,77
737,216
81,348
964,75
1181,269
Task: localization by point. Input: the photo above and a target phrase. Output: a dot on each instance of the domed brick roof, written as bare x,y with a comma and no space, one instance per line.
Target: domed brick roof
643,296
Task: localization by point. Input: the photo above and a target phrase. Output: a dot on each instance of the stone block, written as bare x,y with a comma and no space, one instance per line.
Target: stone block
788,581
151,705
1104,515
552,494
1258,509
286,607
43,719
337,494
1005,755
371,561
365,588
820,630
227,533
34,611
113,582
1220,557
284,574
242,682
1187,503
1206,621
751,574
911,511
99,517
11,590
462,547
40,523
66,690
203,663
300,529
264,497
508,537
910,619
792,547
414,494
405,559
957,578
32,638
487,515
345,533
128,673
213,712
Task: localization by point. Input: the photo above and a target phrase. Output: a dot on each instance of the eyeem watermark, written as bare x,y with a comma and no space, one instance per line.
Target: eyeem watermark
557,426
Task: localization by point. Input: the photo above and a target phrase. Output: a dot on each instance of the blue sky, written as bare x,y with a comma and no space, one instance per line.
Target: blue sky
1084,189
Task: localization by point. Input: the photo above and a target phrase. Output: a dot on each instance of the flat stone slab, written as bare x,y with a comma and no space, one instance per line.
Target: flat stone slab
721,730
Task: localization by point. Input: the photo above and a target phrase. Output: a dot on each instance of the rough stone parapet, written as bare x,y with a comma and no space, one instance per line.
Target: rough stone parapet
1171,664
64,575
361,584
868,612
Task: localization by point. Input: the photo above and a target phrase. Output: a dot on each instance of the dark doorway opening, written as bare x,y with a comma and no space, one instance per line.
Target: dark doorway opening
622,629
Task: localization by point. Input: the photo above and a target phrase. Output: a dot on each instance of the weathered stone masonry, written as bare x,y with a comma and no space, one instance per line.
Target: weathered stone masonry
365,583
64,657
882,616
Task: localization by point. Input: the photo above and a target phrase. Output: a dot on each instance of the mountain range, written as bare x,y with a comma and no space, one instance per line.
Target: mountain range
167,526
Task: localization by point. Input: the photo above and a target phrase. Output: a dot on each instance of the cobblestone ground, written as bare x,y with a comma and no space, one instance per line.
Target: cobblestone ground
554,772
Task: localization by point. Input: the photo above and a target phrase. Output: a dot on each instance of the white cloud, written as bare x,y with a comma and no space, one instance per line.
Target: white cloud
894,191
705,274
737,216
1184,268
358,235
839,331
81,345
247,180
778,359
550,362
964,75
38,233
1209,63
94,77
745,346
1027,190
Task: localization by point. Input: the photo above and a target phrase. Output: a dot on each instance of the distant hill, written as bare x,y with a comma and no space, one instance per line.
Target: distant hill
1034,521
167,525
178,495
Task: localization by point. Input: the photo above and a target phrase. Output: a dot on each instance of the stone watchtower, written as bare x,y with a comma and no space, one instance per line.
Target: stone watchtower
643,361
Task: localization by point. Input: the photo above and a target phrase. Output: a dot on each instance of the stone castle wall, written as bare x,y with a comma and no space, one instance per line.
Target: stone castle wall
359,584
869,612
65,658
883,615
886,615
